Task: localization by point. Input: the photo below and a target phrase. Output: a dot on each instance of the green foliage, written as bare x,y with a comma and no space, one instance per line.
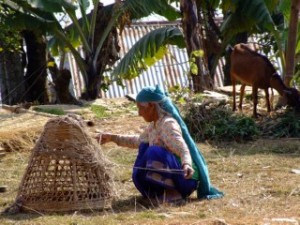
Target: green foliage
52,5
237,128
288,125
178,93
10,40
198,97
143,8
41,15
256,16
246,16
296,77
54,111
99,111
148,50
219,124
193,58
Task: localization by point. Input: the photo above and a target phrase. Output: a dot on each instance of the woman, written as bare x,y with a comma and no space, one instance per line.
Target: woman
169,166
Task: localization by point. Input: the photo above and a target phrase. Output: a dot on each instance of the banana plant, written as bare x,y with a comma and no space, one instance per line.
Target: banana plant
147,51
254,16
42,15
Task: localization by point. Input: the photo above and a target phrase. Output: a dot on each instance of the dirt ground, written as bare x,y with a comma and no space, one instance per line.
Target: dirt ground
258,178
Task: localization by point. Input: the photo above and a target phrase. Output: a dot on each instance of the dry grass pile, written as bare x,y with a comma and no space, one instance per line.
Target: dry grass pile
66,170
18,131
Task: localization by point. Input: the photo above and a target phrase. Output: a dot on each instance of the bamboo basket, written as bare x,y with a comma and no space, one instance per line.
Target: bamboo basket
66,170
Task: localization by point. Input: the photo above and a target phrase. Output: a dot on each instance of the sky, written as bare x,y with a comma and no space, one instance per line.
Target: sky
107,2
153,17
150,18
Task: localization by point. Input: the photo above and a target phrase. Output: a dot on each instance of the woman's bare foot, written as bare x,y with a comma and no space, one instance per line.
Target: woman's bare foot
172,197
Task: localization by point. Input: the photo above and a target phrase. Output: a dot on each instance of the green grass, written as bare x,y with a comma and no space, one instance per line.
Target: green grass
114,111
55,111
99,111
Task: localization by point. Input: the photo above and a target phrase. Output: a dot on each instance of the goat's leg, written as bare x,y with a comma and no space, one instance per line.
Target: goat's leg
255,100
233,94
272,99
268,100
242,92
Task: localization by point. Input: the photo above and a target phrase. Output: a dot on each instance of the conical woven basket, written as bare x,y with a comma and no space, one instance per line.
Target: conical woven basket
66,170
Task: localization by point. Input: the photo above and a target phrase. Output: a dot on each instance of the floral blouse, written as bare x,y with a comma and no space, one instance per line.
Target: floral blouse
165,132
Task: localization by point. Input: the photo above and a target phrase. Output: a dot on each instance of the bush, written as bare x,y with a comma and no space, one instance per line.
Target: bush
286,124
216,122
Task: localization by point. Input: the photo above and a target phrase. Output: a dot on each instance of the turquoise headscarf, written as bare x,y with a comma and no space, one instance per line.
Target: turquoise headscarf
156,94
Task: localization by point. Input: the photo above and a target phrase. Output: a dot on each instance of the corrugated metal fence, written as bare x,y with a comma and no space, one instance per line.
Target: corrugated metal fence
170,71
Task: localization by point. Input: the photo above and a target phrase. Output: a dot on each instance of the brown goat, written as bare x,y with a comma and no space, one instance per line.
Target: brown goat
253,69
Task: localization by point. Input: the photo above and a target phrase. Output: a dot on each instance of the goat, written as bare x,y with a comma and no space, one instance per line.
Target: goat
253,69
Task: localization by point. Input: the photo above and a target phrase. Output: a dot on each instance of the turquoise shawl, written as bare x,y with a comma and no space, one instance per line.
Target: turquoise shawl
156,94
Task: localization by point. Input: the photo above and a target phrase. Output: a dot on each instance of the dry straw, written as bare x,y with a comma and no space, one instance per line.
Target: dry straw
66,170
18,132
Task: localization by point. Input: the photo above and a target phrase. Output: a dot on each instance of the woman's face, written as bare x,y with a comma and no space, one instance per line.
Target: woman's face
147,111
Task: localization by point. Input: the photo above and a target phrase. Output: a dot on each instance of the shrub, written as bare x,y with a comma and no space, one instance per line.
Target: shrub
286,124
216,122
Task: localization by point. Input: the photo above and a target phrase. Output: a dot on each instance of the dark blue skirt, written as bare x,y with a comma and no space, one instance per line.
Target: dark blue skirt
157,170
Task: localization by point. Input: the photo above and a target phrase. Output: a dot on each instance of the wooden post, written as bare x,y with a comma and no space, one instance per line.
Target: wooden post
291,45
2,154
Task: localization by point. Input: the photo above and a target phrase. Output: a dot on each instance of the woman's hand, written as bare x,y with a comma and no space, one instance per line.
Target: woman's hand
103,138
188,171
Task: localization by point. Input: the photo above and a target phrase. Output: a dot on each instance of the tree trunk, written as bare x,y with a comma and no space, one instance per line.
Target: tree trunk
62,88
61,81
108,55
11,78
94,84
191,29
291,45
36,73
210,34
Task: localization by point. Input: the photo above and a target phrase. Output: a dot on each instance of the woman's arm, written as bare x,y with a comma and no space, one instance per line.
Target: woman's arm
172,138
130,141
171,135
